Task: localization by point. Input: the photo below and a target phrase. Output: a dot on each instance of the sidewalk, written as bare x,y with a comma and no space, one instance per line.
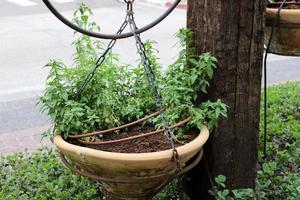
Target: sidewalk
23,140
168,3
182,5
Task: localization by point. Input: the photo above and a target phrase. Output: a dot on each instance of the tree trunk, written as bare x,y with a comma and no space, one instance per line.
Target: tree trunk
231,30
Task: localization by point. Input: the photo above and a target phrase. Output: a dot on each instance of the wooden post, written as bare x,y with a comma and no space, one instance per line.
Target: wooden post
232,30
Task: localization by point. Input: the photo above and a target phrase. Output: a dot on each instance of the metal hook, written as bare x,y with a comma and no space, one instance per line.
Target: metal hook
127,1
129,6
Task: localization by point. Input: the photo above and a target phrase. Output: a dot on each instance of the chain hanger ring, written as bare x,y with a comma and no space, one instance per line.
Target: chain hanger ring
110,36
128,1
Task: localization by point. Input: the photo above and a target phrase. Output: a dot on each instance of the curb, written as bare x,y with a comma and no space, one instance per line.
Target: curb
182,6
164,3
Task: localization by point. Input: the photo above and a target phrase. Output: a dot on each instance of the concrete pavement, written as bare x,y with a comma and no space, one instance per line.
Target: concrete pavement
23,140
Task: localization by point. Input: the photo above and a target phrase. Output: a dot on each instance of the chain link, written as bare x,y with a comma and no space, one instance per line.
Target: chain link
152,81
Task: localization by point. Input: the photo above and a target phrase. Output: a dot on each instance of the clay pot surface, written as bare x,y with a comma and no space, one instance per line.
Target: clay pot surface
286,36
126,165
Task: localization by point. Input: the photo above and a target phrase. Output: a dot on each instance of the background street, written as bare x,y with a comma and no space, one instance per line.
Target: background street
30,36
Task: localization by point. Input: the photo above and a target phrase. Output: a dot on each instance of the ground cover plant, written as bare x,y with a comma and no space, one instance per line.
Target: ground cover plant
120,93
279,174
42,176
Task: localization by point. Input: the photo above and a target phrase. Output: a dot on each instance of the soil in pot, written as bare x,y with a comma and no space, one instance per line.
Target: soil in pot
152,143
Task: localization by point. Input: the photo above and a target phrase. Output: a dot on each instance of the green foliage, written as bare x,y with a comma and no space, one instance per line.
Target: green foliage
221,193
279,174
41,176
186,80
119,93
108,101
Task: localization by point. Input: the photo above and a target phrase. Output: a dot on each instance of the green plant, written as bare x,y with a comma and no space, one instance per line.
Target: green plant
42,176
221,193
119,94
279,174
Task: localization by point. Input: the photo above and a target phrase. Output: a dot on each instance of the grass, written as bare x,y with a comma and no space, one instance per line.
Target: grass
279,174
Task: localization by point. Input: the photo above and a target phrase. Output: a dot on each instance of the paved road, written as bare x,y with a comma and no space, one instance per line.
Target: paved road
30,36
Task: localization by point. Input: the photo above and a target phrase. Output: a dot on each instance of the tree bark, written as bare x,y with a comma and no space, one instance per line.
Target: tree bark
232,30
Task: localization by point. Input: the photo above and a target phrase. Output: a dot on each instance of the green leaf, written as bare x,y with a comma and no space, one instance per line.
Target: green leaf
220,179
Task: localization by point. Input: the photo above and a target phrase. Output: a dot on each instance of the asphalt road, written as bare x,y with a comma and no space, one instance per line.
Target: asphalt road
30,36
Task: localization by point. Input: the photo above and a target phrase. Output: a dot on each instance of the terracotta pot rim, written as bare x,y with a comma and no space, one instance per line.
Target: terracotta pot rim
289,18
283,12
273,6
194,145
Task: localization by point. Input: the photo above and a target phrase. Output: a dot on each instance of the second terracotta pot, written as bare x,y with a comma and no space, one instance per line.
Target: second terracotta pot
286,36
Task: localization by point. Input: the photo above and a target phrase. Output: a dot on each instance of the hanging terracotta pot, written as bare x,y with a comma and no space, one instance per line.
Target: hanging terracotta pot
286,36
132,175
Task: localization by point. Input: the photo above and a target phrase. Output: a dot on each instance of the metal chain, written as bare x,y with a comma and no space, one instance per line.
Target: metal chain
151,78
100,60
